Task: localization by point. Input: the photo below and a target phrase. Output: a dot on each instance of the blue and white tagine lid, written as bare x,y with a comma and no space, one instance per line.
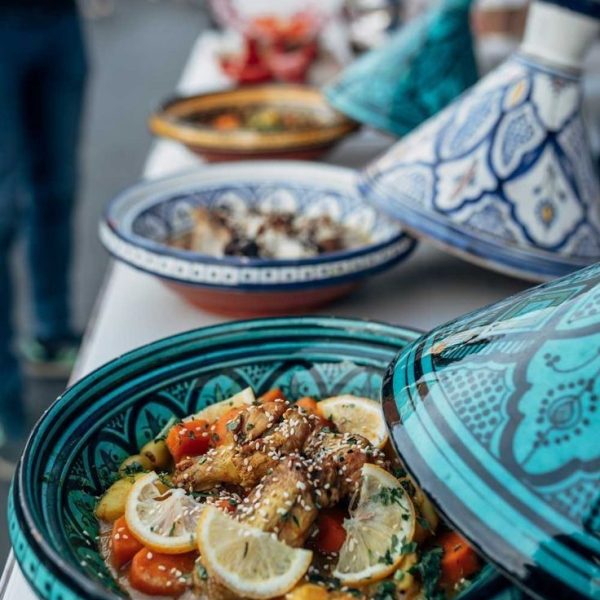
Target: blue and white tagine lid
504,176
497,417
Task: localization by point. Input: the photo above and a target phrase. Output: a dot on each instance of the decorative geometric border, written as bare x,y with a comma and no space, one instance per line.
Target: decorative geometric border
244,277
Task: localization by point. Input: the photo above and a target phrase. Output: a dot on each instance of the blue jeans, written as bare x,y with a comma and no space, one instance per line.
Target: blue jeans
42,76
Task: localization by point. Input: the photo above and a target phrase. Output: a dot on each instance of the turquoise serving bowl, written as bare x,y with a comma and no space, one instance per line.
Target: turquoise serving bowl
80,441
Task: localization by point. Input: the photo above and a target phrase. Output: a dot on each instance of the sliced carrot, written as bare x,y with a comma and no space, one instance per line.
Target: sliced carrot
123,545
191,438
161,574
271,396
221,431
226,121
309,404
331,534
459,559
226,505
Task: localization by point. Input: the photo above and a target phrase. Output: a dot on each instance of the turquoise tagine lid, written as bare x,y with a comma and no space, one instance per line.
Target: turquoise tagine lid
419,71
497,417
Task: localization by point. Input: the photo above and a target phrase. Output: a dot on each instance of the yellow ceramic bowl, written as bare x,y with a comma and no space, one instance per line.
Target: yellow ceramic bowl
184,119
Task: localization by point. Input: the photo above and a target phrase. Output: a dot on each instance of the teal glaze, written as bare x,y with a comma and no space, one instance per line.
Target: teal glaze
417,73
79,443
496,414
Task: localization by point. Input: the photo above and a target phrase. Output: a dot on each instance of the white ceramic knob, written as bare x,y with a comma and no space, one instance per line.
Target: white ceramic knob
557,35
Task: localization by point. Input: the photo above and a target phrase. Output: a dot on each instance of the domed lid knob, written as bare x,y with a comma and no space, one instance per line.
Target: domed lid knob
560,32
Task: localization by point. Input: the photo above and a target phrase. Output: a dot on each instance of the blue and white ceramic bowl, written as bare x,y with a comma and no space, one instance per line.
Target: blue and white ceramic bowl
139,222
83,437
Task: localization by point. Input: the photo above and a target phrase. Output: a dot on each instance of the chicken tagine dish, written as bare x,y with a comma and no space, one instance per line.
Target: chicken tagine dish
268,498
253,232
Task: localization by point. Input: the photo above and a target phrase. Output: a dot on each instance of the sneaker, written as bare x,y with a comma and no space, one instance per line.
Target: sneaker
50,359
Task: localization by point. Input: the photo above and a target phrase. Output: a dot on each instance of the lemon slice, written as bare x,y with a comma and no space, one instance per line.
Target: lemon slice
163,519
250,562
214,411
379,531
351,414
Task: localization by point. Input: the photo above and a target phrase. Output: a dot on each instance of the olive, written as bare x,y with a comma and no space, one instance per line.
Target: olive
134,464
157,453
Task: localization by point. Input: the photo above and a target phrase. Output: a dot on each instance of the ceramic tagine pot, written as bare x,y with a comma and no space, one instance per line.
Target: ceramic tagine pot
504,176
497,417
422,68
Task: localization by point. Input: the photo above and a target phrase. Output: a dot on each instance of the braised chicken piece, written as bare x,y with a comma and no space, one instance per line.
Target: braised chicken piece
287,437
336,461
201,473
246,464
282,503
252,422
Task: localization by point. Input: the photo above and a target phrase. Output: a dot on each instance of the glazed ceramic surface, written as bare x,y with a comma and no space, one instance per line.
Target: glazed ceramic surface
178,119
140,221
418,72
504,176
81,440
497,415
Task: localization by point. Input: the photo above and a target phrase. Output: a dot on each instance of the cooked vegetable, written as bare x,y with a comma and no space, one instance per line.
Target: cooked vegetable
458,560
331,534
123,544
136,463
308,591
190,438
161,574
309,405
224,425
271,396
226,121
112,504
157,452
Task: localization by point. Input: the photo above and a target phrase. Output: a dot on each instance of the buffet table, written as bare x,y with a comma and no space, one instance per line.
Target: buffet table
133,308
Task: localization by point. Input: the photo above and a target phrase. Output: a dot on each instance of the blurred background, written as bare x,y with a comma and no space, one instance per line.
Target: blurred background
133,65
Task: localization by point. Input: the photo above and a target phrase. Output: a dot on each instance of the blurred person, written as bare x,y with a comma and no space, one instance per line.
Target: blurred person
42,75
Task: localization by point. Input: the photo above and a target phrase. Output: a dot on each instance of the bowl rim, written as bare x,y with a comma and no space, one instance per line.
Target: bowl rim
37,541
165,123
112,234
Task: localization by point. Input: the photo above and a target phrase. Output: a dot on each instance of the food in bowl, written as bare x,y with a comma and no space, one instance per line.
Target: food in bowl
267,498
257,232
264,118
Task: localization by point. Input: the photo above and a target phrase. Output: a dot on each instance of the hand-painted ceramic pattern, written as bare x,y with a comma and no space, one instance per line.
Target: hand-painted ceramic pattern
139,222
414,75
78,445
497,414
504,176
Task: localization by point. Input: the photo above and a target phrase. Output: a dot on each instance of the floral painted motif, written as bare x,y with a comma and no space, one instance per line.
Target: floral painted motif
505,403
513,184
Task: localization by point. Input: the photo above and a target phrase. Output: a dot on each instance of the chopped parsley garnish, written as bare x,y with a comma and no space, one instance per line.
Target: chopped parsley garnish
234,424
331,583
429,570
249,426
388,496
386,590
201,572
424,523
408,548
388,557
